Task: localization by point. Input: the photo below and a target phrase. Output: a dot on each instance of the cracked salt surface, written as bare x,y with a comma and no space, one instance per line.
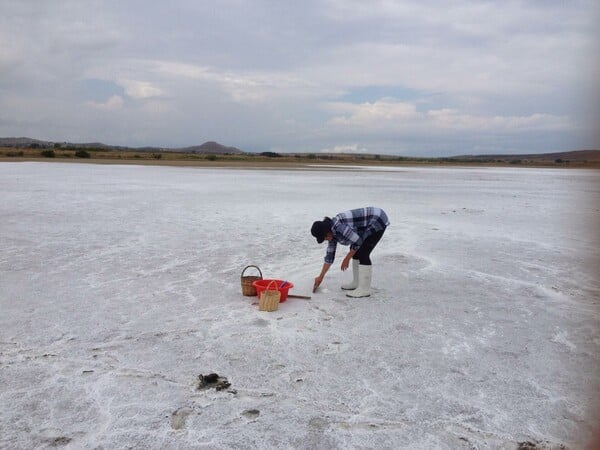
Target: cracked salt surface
120,285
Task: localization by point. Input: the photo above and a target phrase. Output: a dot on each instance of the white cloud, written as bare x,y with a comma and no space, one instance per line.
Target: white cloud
113,103
177,69
241,86
345,148
454,120
374,116
140,89
304,76
390,116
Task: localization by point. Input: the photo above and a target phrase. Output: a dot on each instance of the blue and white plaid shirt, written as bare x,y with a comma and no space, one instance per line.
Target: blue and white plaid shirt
353,227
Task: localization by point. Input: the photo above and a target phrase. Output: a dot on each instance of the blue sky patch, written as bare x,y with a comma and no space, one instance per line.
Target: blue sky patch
96,90
370,94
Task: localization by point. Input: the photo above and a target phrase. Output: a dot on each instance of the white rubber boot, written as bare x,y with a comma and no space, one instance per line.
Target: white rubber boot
354,283
364,282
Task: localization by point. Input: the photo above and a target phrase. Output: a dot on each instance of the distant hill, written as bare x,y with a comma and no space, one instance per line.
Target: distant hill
572,156
209,147
21,142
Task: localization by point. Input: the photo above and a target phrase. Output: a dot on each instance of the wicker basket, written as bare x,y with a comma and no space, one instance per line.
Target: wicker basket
247,280
269,298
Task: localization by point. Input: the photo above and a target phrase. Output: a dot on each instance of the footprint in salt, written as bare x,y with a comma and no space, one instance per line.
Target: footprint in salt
251,414
178,417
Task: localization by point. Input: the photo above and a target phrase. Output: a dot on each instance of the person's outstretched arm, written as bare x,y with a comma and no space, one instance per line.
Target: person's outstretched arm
319,279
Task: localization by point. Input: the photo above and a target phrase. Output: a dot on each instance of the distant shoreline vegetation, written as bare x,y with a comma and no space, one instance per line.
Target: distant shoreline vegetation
199,155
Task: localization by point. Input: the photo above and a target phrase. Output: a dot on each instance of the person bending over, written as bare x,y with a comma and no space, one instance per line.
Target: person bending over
361,229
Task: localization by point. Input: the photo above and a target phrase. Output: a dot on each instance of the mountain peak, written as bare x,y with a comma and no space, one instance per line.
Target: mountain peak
211,147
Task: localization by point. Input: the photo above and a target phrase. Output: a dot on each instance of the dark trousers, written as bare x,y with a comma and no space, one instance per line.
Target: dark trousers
364,252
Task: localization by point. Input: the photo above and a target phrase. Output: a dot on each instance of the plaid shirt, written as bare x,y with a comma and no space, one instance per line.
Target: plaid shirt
353,227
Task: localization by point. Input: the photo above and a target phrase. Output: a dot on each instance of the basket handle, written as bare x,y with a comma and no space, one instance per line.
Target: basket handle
270,283
261,275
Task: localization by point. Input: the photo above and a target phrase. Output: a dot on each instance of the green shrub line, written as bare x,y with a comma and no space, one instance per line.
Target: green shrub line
82,154
62,151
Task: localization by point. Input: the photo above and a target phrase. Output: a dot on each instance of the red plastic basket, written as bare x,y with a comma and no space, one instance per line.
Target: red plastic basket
282,286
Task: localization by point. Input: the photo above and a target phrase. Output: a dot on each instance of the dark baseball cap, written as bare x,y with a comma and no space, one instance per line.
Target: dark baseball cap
319,229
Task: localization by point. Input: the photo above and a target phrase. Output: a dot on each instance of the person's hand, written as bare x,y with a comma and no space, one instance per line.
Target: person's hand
318,282
346,262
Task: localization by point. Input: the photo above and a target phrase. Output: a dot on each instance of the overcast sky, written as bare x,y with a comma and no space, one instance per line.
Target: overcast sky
413,77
